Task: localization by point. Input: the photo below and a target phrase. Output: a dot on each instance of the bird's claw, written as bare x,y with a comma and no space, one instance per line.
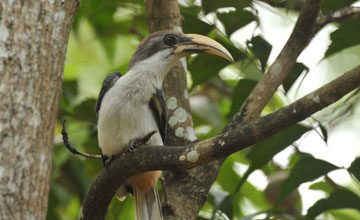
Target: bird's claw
106,160
132,145
140,141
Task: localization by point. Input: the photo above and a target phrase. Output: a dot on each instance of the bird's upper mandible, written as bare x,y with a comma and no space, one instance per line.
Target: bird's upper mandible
179,45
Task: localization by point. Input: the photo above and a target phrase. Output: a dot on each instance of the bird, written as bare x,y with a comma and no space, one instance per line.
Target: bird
131,106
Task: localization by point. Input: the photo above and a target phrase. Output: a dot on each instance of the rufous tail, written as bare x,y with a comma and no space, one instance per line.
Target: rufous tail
147,204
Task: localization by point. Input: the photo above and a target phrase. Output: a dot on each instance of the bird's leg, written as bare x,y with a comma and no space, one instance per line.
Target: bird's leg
106,160
140,141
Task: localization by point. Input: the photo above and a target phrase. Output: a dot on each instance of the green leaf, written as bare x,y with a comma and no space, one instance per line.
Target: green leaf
323,132
294,73
346,36
355,168
205,66
323,186
348,214
235,20
241,92
261,49
69,93
332,5
85,111
340,198
191,22
262,152
210,5
228,179
218,198
306,169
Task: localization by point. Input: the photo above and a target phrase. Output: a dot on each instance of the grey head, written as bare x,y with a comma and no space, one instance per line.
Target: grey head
179,43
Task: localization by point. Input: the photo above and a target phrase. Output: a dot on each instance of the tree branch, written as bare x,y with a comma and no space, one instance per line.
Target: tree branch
336,16
267,86
147,158
71,148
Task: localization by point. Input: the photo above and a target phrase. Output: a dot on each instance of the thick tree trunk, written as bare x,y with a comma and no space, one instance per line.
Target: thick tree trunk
33,41
186,191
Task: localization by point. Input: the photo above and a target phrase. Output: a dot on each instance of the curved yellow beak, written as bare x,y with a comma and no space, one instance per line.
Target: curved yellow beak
195,43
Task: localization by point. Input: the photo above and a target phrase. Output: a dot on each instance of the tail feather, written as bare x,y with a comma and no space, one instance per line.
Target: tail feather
147,205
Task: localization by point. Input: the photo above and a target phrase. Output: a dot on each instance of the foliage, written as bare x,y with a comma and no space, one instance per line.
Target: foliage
106,33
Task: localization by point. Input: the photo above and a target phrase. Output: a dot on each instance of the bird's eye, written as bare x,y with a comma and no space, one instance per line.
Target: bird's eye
170,40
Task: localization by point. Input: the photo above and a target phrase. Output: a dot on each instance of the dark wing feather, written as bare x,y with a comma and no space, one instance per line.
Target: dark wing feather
109,82
159,110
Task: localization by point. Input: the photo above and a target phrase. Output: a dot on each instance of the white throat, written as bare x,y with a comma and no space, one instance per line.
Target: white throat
154,68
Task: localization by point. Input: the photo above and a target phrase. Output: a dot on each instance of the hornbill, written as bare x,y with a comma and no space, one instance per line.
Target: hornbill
131,106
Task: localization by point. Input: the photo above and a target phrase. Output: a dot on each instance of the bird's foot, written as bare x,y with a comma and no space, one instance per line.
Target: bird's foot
106,160
140,141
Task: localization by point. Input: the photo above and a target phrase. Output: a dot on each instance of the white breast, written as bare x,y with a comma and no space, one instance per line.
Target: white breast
125,115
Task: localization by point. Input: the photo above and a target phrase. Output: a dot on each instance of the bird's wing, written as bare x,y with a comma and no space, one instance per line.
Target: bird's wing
158,107
109,82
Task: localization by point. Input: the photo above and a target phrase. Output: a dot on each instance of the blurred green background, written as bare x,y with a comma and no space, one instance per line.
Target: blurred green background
321,154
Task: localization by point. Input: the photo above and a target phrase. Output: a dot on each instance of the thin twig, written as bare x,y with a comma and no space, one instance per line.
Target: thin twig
72,149
336,16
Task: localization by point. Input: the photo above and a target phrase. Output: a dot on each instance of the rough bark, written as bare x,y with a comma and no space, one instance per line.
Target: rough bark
187,190
33,41
179,158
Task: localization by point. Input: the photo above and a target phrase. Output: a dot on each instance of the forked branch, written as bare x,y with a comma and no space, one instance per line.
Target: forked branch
148,158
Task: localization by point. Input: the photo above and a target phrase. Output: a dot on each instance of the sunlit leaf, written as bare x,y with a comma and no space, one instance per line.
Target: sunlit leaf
346,36
252,216
121,210
306,169
323,186
218,198
340,198
342,214
228,179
